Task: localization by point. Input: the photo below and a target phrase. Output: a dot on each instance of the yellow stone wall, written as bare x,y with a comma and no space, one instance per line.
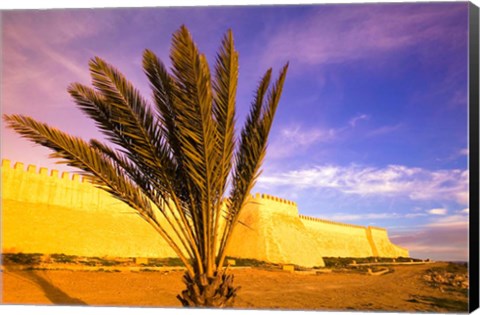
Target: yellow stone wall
339,240
384,246
47,212
271,230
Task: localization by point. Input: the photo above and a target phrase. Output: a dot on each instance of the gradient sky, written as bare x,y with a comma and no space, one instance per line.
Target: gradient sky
371,128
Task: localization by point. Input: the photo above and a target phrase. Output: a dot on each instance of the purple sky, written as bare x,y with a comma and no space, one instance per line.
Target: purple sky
371,128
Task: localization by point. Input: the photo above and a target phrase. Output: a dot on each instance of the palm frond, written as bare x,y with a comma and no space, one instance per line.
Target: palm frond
109,120
197,133
163,86
225,90
251,152
273,100
193,105
131,112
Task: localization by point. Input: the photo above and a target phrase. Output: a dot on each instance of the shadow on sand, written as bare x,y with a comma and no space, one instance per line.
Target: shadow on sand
440,303
52,292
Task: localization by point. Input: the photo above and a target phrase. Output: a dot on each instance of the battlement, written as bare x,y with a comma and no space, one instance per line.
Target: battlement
60,183
43,171
259,196
53,173
40,185
273,204
314,219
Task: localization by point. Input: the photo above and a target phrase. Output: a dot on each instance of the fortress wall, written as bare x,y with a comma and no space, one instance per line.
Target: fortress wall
349,240
248,238
45,212
338,239
44,186
384,246
273,204
41,228
271,231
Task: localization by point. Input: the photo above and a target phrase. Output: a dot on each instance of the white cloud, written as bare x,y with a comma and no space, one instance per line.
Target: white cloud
295,139
304,138
393,180
438,211
354,120
465,211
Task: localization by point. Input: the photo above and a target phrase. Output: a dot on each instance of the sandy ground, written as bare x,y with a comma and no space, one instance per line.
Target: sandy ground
402,290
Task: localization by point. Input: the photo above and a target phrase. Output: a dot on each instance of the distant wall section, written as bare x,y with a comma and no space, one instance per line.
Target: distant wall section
338,240
348,240
271,230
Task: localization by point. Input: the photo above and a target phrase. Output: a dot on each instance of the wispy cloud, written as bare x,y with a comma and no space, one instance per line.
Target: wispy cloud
306,137
383,130
438,211
62,26
414,215
450,221
393,180
361,32
443,238
43,51
353,122
295,139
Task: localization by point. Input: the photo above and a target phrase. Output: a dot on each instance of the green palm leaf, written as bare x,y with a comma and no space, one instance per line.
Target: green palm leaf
225,90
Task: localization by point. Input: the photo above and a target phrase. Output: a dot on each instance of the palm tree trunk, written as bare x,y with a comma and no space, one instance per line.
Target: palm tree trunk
203,291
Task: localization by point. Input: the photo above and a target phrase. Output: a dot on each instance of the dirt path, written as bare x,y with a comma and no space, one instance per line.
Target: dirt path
402,290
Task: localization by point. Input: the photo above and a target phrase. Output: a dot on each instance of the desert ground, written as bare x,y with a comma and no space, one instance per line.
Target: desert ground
412,288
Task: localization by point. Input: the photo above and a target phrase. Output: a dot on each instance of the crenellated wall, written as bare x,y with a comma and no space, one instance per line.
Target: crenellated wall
40,185
47,212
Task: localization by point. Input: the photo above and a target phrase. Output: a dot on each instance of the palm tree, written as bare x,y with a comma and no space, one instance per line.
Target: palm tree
178,163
